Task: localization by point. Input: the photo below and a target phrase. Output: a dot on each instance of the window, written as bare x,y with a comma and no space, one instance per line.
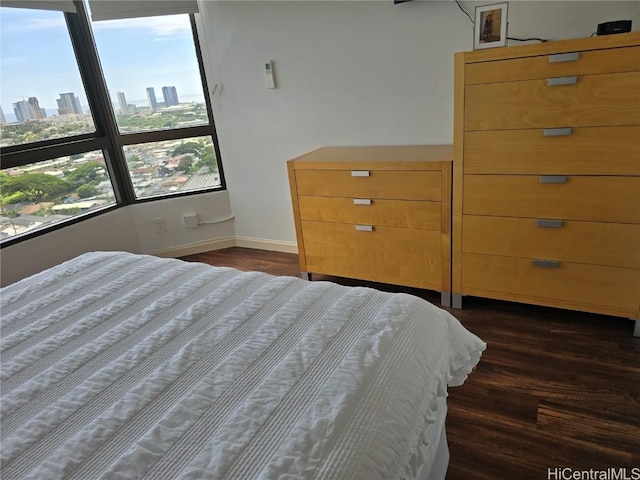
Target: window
43,193
89,123
160,168
165,95
42,95
166,91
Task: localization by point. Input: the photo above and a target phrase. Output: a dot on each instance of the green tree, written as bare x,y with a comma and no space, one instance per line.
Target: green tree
4,179
37,186
187,147
10,213
16,197
209,160
185,163
86,191
89,173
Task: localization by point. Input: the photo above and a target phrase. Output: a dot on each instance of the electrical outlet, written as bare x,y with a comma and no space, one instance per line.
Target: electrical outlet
191,221
160,225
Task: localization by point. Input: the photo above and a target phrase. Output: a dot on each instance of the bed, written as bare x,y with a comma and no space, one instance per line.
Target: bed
123,366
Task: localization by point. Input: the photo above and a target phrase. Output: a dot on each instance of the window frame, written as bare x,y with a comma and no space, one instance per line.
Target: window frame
107,137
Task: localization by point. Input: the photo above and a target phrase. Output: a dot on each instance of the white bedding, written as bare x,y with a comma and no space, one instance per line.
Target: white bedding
116,365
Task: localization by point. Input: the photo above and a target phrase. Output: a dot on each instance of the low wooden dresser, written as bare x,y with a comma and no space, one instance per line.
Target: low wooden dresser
547,175
380,214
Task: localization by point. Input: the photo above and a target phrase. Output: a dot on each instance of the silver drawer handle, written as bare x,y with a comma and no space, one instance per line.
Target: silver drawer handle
555,81
553,179
556,132
364,228
360,173
564,57
545,263
362,201
545,223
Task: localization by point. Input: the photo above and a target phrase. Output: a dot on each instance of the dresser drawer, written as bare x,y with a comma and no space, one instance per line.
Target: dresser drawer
600,199
614,244
570,284
594,100
380,212
556,65
396,185
568,151
386,254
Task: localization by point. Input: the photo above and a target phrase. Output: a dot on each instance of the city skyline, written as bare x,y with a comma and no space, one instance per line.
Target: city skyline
30,109
68,103
36,41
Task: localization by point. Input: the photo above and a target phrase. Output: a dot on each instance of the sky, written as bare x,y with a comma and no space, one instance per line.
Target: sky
37,59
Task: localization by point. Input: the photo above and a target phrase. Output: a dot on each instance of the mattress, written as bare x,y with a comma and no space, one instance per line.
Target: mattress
123,366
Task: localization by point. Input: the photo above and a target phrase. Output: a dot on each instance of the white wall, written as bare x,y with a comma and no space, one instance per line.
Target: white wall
114,230
348,73
130,229
179,240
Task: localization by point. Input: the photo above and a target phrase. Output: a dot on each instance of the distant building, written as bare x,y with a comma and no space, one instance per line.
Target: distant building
151,97
83,206
37,111
122,102
68,104
3,120
170,95
24,111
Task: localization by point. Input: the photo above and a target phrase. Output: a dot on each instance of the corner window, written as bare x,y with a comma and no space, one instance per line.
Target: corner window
99,114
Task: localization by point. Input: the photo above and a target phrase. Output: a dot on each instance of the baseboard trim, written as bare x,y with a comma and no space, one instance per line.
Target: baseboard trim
193,248
271,245
226,242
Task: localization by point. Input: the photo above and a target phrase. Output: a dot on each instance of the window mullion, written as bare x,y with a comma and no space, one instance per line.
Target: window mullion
34,155
98,98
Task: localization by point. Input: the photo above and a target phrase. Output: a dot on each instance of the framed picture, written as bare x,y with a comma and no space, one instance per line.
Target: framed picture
490,26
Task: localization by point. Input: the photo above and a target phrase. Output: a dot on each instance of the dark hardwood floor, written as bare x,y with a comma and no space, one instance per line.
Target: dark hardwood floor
554,389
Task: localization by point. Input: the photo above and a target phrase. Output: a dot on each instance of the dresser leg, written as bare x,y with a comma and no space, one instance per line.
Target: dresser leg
636,330
457,301
445,299
305,275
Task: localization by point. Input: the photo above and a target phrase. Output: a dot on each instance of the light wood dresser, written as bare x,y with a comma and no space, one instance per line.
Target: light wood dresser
375,213
547,175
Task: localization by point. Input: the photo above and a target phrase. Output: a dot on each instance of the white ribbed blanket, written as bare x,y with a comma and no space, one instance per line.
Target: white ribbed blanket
122,366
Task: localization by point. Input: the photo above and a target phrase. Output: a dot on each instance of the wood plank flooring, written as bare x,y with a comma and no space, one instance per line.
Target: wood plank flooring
554,388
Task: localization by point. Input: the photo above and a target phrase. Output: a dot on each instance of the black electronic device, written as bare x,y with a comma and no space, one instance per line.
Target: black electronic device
609,28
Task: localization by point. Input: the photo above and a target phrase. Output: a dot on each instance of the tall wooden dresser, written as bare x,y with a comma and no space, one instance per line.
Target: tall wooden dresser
375,213
547,175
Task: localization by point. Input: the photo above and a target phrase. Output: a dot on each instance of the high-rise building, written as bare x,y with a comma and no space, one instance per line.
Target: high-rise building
3,120
151,97
170,95
68,103
24,111
37,111
122,101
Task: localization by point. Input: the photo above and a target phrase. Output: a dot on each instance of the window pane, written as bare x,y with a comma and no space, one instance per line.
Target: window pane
41,92
152,73
162,168
43,193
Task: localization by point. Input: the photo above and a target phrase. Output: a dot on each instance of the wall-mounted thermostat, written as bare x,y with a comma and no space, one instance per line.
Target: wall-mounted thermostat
268,70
